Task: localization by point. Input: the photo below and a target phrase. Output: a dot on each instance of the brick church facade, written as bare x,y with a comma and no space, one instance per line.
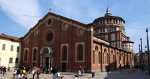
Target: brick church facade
68,44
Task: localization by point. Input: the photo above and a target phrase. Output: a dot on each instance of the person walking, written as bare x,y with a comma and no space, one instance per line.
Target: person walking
4,70
80,71
14,73
24,73
54,72
38,72
33,73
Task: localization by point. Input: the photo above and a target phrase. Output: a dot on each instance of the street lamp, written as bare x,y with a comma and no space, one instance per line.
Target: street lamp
141,45
141,54
148,50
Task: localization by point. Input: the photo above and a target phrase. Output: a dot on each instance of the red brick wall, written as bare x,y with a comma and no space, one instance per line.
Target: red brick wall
112,58
70,36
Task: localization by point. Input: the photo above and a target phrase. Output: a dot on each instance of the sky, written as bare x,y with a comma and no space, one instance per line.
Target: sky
18,16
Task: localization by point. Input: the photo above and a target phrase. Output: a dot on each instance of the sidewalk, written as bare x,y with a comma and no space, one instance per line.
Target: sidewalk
123,74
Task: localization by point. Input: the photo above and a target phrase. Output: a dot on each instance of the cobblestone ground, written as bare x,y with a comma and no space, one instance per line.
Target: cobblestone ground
123,74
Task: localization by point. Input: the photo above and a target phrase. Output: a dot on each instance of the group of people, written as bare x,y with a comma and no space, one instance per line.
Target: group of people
20,73
2,70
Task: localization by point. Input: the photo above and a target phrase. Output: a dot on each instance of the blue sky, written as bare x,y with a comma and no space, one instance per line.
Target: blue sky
18,16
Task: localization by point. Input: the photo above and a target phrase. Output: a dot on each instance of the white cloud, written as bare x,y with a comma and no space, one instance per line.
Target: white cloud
78,9
24,12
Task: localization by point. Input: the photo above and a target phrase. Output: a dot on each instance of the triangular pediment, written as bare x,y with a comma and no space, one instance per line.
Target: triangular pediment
54,16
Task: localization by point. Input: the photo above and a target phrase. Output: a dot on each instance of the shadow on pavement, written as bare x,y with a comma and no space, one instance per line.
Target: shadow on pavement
114,72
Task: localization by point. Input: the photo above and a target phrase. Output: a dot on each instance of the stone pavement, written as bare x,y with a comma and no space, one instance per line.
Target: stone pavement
123,74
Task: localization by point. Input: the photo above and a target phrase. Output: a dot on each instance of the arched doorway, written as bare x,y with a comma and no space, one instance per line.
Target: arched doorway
46,58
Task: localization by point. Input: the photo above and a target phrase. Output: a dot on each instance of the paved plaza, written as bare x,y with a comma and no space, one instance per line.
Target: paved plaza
124,74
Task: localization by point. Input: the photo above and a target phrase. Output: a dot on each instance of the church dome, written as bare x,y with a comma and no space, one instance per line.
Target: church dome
108,18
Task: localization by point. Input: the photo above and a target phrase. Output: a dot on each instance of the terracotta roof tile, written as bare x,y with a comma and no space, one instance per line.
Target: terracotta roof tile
8,37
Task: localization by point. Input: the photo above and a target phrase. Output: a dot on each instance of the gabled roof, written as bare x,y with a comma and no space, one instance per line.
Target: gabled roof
65,18
8,37
59,16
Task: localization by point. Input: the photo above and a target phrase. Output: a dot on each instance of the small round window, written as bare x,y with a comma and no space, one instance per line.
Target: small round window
49,36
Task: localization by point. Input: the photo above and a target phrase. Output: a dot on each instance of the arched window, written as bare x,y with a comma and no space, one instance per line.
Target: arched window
34,55
124,59
105,56
64,53
80,52
108,58
93,57
114,58
96,48
100,57
49,36
25,55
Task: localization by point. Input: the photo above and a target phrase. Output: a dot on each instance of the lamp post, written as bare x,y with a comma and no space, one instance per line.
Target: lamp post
141,45
141,55
148,50
139,48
